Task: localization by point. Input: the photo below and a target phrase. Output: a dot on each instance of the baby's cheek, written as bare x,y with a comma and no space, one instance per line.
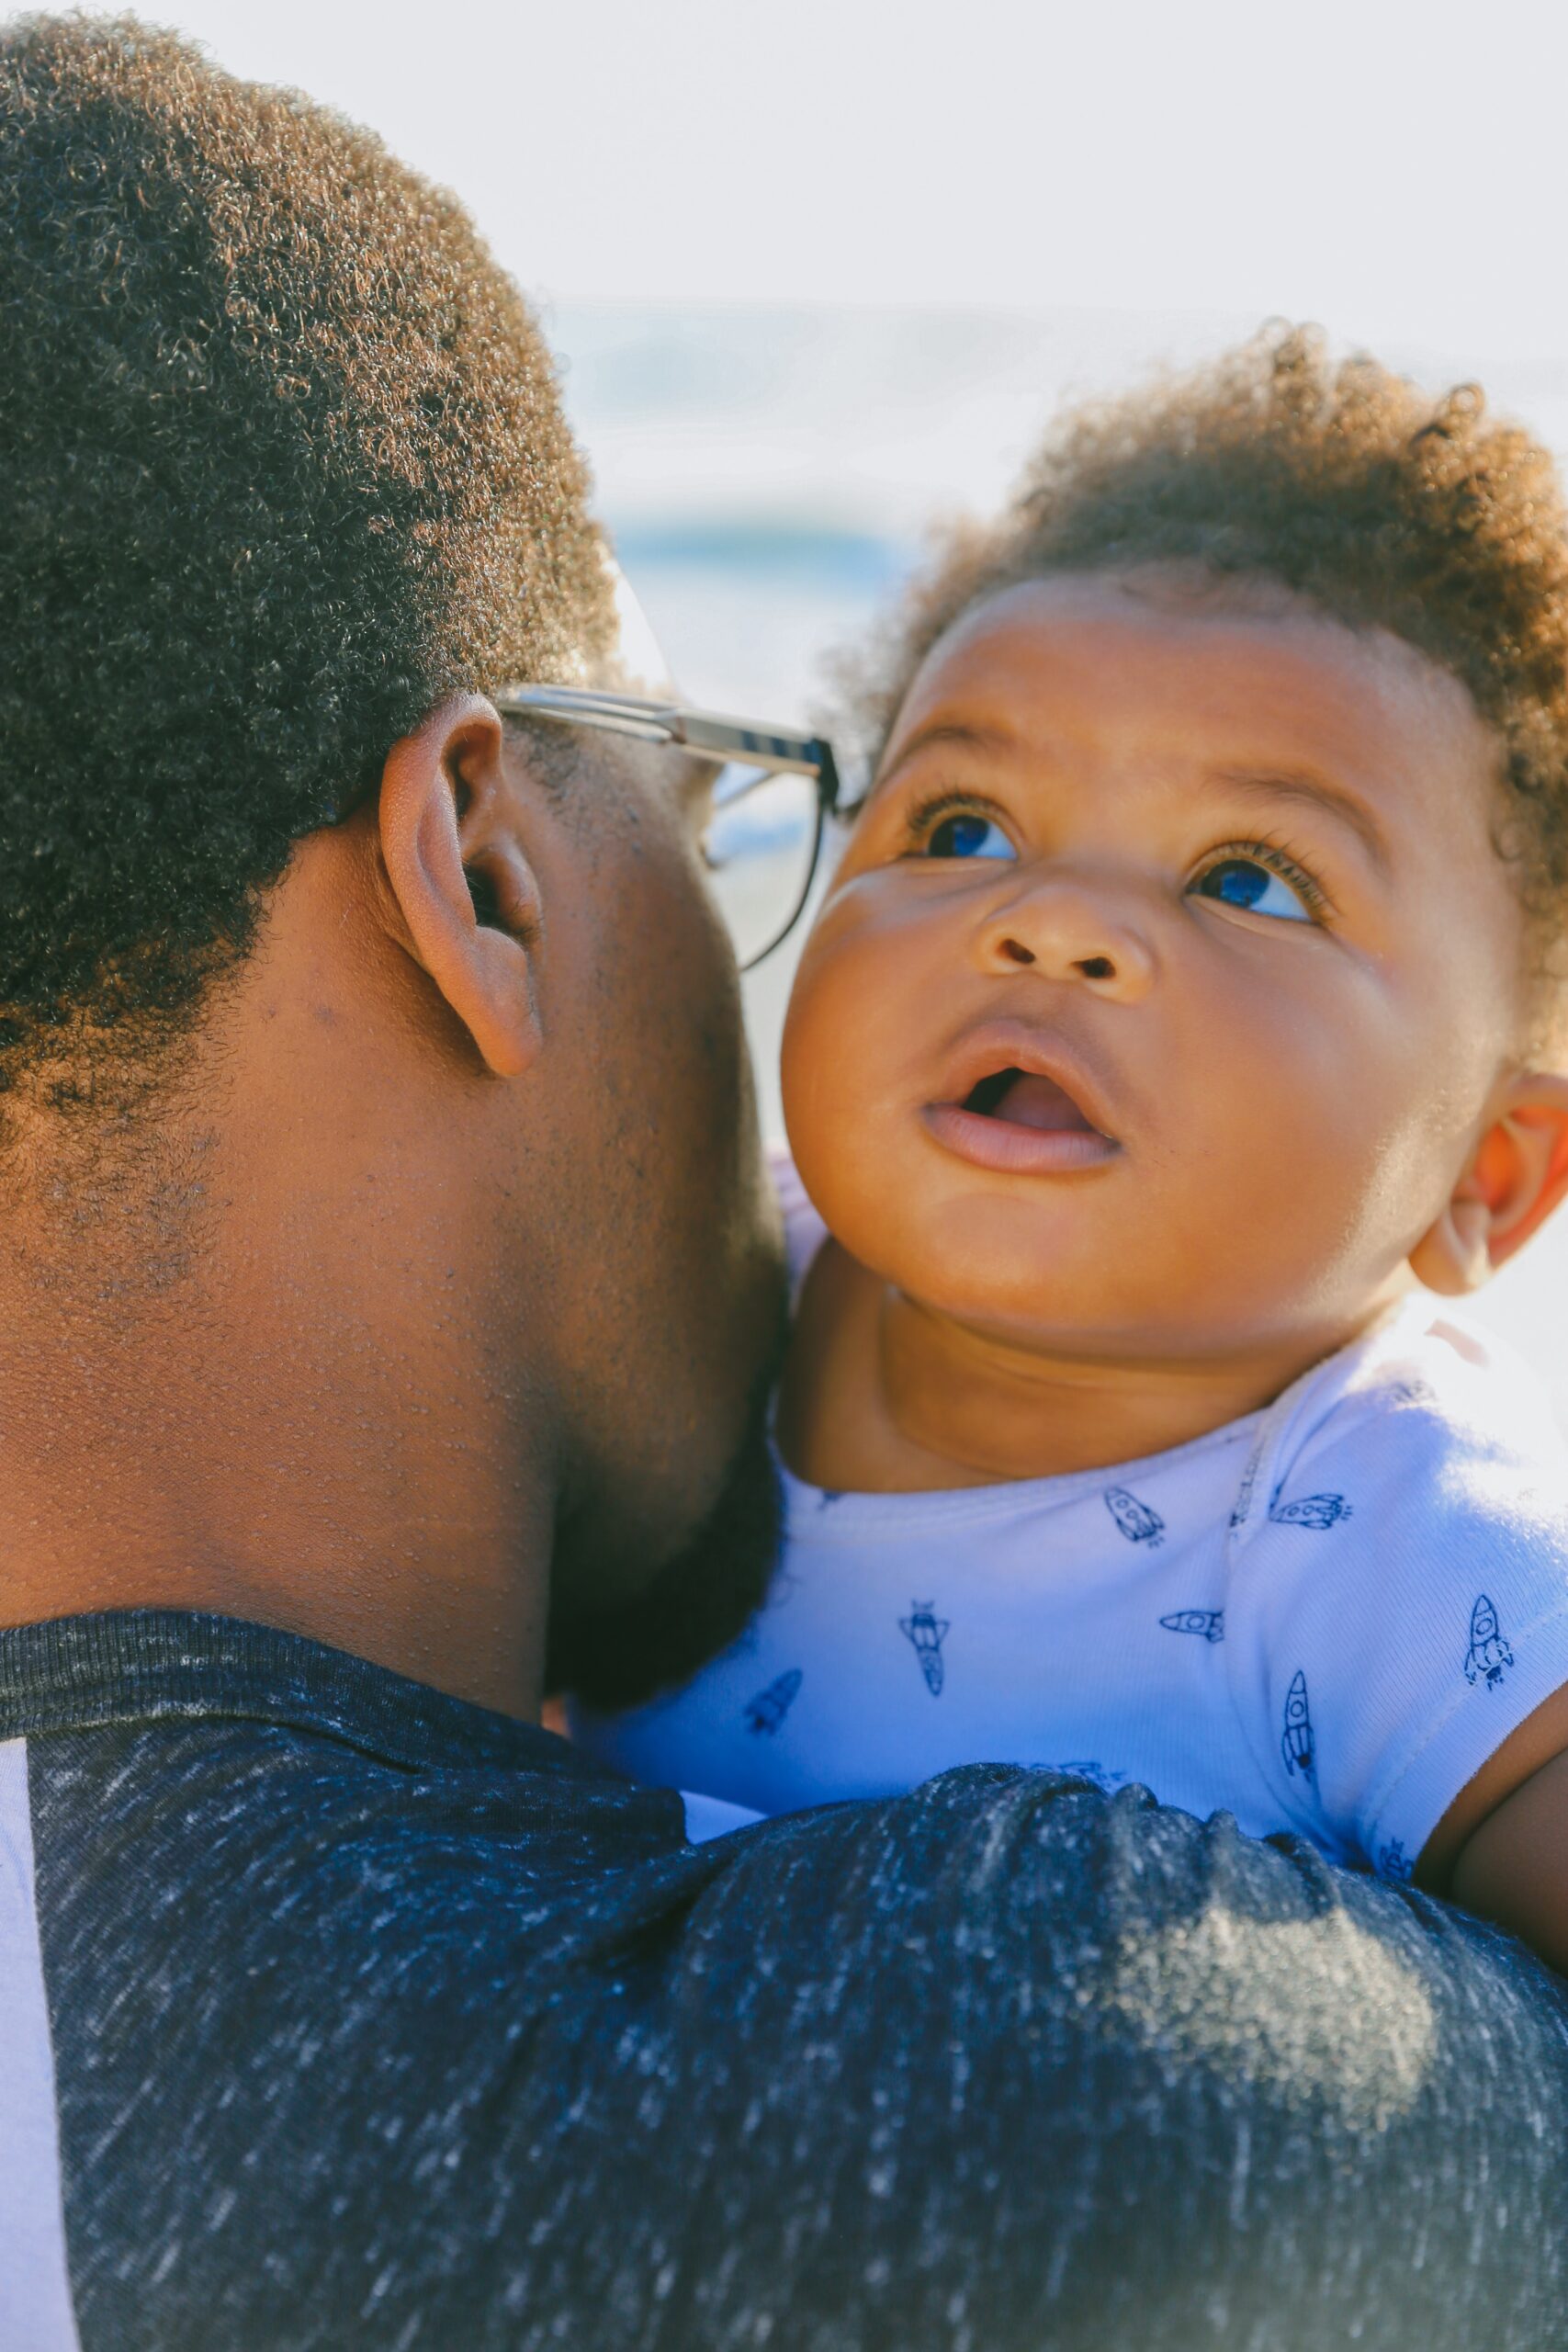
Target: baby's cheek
847,1083
802,1067
1292,1193
820,1073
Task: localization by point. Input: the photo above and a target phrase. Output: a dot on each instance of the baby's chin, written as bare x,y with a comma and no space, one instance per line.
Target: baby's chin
1060,1267
1027,1269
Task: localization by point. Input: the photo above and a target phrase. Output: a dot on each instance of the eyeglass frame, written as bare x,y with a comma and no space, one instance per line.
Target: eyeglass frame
707,735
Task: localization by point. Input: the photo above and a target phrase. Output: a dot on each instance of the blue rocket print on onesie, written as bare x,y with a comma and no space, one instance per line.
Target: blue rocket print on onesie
1138,1521
928,1631
1313,1511
1296,1742
767,1711
1208,1622
1489,1653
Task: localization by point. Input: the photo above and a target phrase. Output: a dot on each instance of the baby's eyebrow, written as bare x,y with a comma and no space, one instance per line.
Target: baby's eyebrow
1315,792
948,731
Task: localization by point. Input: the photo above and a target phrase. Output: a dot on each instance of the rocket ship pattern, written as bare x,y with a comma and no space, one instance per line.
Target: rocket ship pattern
1297,1741
1110,1625
1312,1510
767,1711
927,1630
1208,1622
1489,1653
1138,1521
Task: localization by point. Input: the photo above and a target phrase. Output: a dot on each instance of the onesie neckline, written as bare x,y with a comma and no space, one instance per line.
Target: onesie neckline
857,1510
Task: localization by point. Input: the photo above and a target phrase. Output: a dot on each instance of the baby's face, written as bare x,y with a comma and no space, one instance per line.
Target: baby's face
1167,977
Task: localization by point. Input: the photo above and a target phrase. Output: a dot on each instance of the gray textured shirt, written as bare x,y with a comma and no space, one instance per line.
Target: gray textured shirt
339,2014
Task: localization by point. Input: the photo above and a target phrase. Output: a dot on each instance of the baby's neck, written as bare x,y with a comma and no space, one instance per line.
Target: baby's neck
882,1395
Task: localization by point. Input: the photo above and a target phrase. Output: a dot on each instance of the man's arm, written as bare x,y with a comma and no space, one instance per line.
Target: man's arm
1502,1847
375,2020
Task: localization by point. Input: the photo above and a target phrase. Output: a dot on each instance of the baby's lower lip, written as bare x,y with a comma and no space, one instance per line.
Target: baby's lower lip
1015,1150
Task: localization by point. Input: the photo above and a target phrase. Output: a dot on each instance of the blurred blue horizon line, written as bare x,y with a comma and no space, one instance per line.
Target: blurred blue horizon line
789,548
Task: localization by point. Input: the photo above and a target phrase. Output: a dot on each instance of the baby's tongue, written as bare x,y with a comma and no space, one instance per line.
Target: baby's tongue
1039,1103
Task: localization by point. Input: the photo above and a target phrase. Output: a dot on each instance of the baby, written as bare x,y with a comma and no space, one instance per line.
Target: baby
1179,1017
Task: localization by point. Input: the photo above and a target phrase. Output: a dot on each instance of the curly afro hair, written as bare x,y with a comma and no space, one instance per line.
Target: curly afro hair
1380,505
283,464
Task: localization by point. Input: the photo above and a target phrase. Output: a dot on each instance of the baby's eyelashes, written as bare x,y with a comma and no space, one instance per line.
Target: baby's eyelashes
1248,883
956,824
969,835
1261,878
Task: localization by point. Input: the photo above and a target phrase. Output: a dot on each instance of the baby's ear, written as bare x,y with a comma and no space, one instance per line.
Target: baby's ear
1515,1178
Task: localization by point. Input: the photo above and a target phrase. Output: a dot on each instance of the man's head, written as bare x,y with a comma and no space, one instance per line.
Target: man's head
405,1165
1190,966
284,466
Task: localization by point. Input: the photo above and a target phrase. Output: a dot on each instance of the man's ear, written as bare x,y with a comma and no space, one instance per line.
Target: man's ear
1515,1178
447,814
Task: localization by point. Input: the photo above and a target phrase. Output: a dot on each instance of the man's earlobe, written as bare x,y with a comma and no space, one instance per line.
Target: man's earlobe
446,814
1515,1177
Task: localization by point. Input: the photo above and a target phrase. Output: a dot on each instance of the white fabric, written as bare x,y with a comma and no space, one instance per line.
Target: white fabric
35,2296
1324,1618
712,1817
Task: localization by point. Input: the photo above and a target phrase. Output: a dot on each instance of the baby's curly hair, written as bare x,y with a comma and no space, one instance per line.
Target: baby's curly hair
283,464
1342,483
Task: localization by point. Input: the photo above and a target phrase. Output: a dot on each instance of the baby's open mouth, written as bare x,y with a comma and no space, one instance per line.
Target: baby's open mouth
1021,1098
1019,1122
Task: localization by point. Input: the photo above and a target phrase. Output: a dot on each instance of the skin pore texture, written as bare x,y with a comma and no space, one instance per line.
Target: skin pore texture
468,1271
1166,1015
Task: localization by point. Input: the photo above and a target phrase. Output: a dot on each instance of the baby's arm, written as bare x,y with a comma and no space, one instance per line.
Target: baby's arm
1501,1846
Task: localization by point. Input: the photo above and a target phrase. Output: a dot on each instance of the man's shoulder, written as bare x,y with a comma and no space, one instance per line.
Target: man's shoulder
252,1793
235,1805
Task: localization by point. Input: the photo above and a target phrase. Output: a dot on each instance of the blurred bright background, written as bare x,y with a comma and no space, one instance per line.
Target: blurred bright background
818,274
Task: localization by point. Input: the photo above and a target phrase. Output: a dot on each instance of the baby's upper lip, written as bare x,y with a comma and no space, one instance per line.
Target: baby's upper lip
1011,1044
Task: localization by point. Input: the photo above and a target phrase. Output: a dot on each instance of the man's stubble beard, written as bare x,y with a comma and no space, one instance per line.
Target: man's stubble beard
694,1606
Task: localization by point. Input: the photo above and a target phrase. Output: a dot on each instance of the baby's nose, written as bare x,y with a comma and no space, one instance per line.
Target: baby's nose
1066,930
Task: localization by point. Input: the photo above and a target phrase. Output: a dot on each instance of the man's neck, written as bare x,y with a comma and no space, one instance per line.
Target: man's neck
239,1382
274,1467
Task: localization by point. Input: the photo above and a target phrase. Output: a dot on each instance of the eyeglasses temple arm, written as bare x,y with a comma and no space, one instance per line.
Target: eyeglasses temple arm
701,732
786,754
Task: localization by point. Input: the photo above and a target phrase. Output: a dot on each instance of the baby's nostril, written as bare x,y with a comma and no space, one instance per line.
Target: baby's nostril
1016,953
1096,967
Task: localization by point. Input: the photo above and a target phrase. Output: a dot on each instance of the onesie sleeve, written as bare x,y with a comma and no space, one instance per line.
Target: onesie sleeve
1398,1603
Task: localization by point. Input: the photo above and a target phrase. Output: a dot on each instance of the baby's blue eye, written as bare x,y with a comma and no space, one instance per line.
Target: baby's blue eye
968,836
1243,882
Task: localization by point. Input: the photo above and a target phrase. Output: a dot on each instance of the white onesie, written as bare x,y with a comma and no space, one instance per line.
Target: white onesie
1323,1618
